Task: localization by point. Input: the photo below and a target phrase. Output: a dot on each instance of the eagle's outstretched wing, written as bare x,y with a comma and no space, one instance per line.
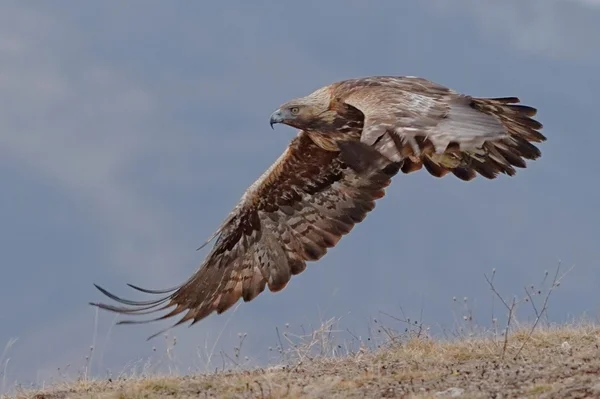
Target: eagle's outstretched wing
428,124
302,205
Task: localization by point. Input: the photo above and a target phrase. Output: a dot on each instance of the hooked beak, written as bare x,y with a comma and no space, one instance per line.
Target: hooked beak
276,117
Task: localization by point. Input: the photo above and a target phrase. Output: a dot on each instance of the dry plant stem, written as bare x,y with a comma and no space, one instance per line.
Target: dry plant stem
279,340
512,306
418,325
555,283
4,361
510,309
530,297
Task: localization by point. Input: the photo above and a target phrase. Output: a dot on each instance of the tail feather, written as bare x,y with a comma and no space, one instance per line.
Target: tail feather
512,151
494,157
522,109
502,100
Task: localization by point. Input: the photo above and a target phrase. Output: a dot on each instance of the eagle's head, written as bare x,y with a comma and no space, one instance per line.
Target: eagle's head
313,112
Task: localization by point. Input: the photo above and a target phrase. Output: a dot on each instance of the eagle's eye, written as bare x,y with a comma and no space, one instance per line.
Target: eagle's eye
294,110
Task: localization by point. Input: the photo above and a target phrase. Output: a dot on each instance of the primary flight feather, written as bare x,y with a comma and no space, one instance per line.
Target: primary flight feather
355,135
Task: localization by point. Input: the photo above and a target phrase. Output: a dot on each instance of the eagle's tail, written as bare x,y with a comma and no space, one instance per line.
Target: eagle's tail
511,152
494,156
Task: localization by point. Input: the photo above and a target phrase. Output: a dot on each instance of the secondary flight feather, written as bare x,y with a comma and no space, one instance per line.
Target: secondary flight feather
355,135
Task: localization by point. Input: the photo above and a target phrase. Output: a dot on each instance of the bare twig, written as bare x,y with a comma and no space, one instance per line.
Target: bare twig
279,340
510,308
537,314
555,284
4,360
223,353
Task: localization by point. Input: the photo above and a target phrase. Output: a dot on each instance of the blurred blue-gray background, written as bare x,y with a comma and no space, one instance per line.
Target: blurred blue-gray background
128,131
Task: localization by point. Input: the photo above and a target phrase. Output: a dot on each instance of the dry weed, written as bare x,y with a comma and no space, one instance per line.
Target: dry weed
519,359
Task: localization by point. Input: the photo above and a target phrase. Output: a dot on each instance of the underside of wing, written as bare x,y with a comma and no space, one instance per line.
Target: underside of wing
298,209
428,125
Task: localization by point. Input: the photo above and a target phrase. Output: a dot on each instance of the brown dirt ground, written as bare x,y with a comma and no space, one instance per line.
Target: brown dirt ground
554,363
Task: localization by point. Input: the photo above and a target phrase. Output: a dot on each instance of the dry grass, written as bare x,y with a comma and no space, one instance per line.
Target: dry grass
508,360
555,362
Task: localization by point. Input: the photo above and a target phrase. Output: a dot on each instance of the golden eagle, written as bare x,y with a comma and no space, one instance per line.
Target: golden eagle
355,135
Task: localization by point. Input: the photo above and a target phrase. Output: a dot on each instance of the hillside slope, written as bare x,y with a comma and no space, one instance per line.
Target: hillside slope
557,362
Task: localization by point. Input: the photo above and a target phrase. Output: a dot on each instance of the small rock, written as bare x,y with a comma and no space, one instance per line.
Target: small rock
565,346
451,392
